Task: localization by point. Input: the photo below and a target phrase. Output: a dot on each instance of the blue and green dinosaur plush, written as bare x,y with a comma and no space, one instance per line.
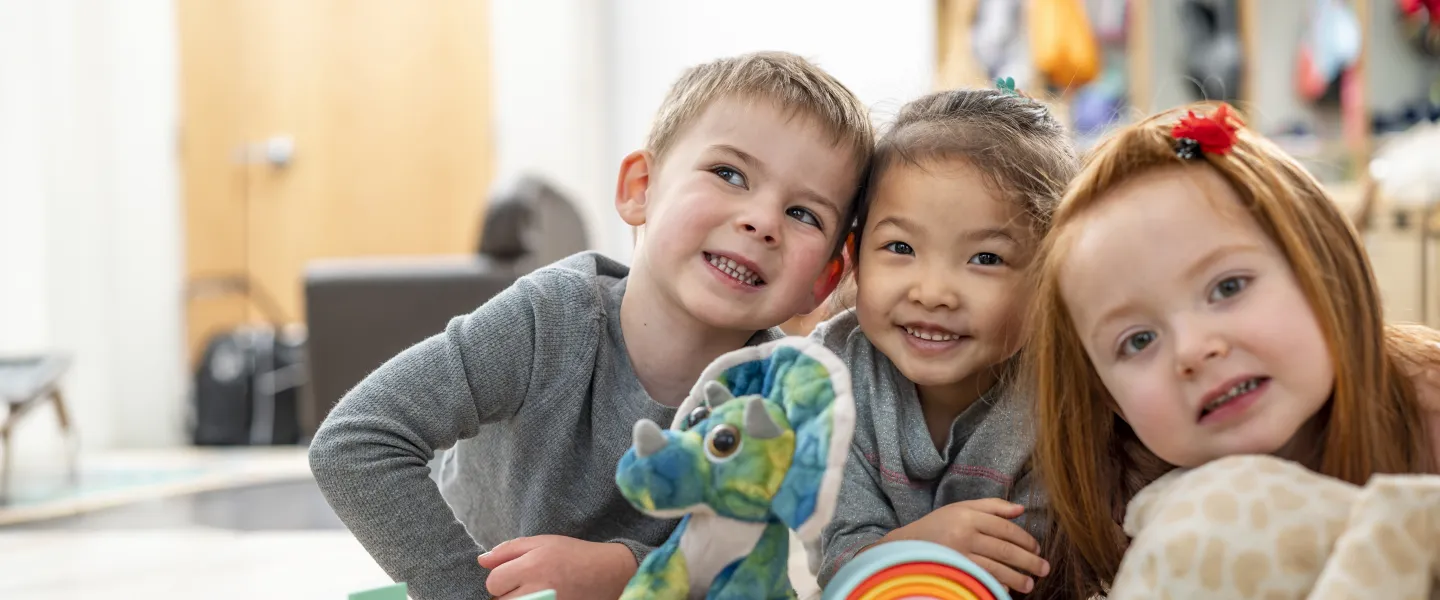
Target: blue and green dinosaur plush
757,449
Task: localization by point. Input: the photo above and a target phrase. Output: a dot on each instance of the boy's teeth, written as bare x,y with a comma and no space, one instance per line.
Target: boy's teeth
735,270
933,337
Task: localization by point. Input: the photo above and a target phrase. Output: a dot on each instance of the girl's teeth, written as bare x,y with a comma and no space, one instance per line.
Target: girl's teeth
932,337
1234,391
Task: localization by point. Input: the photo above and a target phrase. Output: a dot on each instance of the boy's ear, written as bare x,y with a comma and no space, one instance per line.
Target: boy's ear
633,187
827,282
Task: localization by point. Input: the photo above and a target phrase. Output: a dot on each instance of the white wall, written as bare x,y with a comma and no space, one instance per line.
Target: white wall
549,76
90,226
578,82
90,240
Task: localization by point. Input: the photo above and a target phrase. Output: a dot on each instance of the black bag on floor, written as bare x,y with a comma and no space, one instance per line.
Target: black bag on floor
247,388
248,382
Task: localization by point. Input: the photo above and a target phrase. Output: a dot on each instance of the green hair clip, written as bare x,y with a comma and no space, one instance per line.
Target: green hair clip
1007,85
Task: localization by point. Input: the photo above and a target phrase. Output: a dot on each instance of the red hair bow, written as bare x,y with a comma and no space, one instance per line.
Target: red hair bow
1212,134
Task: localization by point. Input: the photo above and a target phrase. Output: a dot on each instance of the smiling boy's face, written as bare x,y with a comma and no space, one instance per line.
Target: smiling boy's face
742,214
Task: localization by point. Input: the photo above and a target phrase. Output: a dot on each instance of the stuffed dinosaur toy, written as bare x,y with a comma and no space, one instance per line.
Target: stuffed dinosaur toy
1258,527
756,450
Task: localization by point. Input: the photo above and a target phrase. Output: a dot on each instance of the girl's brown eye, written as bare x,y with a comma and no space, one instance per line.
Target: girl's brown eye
722,442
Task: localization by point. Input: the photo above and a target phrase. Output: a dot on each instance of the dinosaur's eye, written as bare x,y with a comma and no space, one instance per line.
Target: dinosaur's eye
696,416
723,442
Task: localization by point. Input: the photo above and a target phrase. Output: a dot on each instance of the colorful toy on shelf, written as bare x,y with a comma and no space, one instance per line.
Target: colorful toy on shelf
756,450
1330,48
1062,44
1420,24
913,569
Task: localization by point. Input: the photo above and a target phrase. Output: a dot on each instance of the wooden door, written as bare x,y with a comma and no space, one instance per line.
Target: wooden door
387,105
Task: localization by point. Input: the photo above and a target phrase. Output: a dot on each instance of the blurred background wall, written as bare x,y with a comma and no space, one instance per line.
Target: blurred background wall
171,170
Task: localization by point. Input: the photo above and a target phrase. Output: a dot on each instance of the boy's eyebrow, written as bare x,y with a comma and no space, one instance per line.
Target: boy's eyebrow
750,161
756,164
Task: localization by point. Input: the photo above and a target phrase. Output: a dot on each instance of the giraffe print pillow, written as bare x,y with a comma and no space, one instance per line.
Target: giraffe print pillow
1264,528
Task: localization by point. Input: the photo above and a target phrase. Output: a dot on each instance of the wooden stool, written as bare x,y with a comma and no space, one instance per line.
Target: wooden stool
26,382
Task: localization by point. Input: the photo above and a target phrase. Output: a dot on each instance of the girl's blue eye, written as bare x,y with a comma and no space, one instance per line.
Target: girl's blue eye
899,248
1136,342
988,259
731,176
804,215
1228,287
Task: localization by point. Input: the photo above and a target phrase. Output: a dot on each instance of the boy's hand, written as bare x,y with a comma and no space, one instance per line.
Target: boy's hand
573,568
982,531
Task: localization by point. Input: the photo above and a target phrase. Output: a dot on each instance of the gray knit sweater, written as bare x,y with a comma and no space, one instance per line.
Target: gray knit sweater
535,392
895,476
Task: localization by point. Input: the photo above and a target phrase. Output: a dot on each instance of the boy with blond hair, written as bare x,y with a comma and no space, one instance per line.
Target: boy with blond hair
745,190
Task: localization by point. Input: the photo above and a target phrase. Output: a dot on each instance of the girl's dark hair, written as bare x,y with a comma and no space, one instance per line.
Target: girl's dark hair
1013,141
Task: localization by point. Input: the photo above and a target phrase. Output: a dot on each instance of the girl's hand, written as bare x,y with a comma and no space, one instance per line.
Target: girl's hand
982,531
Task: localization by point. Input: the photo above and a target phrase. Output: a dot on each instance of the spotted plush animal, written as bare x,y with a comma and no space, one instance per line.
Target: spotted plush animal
1262,528
756,450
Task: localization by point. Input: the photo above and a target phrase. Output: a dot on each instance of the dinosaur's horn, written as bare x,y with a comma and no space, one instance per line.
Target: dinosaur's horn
758,423
648,438
716,394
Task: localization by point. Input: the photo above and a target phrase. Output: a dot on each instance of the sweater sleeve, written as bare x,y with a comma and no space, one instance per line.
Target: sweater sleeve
370,455
1028,493
862,516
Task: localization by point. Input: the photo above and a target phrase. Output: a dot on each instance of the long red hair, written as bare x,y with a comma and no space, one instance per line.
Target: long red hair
1092,462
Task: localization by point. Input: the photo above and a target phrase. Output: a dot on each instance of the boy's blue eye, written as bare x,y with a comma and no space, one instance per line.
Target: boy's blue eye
1228,287
901,248
731,176
804,215
987,259
1136,342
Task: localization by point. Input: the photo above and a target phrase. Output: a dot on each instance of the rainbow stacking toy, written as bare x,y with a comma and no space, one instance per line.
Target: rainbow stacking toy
911,569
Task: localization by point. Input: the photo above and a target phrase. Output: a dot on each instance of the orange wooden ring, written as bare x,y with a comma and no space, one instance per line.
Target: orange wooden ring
945,571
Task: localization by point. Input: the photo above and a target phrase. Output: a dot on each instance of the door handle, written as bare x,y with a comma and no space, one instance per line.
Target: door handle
277,151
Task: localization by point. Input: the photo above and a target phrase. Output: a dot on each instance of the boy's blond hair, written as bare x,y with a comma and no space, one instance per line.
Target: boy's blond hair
788,80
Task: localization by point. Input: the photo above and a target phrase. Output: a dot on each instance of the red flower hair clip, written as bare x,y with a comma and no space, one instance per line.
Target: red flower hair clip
1210,134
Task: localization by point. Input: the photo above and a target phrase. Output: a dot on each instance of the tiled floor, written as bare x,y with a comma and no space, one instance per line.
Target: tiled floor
268,539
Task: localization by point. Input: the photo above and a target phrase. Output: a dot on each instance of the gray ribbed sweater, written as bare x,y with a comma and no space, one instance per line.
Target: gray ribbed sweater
895,476
536,394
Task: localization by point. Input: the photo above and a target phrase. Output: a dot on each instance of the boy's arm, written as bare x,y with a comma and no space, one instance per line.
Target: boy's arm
636,548
370,456
862,516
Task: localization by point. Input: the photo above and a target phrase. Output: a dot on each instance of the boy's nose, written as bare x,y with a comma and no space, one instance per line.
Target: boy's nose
760,222
765,236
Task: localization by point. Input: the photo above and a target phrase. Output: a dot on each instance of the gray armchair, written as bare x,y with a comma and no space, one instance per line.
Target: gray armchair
361,312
